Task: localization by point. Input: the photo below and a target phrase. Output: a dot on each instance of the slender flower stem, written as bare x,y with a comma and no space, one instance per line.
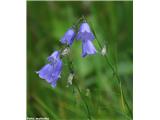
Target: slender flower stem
71,69
83,99
119,81
77,22
115,72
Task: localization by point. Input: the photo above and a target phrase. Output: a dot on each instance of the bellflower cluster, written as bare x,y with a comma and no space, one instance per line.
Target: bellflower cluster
85,35
51,71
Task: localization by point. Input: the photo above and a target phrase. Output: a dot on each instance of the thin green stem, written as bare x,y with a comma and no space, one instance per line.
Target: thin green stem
115,72
83,99
77,22
71,69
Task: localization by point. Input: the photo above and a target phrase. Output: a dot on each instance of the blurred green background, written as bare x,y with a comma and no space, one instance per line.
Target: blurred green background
113,25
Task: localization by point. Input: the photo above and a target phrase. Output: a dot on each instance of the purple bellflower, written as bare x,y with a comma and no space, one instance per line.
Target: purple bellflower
51,72
88,48
68,37
86,36
85,33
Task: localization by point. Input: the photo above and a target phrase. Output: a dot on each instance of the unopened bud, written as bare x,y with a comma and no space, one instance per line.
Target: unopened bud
104,51
66,51
70,78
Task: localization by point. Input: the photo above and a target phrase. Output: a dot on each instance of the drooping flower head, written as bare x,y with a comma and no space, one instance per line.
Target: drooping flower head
86,36
68,37
85,32
51,72
88,48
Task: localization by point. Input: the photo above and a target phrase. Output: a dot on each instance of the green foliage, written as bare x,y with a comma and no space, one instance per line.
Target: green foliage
112,23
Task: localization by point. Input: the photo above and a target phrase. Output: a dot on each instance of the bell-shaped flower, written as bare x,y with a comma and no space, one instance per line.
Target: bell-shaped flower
51,72
85,32
68,37
88,48
54,56
46,72
57,68
86,36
